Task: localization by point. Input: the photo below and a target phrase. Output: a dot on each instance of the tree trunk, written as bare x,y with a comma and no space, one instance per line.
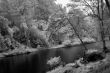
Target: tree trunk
105,49
108,5
77,33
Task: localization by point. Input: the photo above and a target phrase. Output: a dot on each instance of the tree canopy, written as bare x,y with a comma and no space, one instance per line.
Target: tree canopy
54,23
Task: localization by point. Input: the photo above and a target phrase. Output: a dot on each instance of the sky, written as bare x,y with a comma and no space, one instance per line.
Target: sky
63,3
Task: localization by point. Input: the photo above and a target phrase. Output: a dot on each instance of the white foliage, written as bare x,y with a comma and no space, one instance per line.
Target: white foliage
54,61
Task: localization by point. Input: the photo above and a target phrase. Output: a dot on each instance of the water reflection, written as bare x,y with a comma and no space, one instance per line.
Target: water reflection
36,61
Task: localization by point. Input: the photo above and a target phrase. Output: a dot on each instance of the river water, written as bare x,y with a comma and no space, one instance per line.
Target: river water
36,62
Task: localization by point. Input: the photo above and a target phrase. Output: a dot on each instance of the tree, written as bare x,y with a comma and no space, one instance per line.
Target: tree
96,9
108,5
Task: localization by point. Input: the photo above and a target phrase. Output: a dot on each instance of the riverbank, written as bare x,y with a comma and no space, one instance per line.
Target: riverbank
101,66
29,62
24,50
20,51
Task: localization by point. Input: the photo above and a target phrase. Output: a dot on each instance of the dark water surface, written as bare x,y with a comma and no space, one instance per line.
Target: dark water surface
36,61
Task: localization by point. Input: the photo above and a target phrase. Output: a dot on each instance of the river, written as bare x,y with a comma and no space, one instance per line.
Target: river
36,62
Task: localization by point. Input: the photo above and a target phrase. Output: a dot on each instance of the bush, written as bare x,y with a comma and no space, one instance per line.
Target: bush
2,44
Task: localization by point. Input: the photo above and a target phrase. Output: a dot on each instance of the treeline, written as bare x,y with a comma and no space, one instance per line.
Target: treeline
42,23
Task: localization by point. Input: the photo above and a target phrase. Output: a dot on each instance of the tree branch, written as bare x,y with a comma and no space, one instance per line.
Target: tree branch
89,6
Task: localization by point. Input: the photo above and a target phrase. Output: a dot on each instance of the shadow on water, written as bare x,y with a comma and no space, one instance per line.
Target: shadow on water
36,61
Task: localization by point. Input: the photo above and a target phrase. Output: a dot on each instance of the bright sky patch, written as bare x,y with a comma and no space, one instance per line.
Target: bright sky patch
62,2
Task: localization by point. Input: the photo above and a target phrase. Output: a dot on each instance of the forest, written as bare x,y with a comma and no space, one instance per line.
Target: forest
27,26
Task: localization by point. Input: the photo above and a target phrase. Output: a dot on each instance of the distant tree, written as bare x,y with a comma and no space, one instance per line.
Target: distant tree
95,8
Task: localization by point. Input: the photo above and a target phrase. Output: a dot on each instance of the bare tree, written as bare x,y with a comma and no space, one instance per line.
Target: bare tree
76,32
100,16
